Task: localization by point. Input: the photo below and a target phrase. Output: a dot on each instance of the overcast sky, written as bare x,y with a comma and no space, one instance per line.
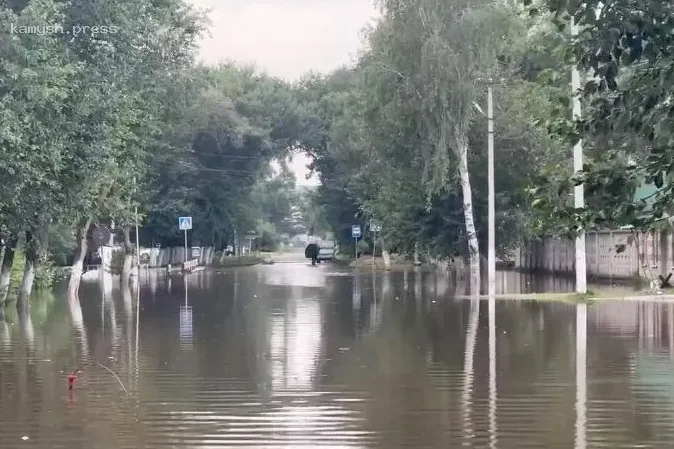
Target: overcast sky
287,38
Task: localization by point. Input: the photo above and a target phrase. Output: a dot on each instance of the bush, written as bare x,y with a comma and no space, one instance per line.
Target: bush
117,261
45,274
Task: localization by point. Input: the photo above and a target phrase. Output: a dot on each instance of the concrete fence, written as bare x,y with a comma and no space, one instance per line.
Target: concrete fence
609,254
160,257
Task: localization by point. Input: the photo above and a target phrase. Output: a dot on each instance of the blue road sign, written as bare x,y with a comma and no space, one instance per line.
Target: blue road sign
355,231
185,223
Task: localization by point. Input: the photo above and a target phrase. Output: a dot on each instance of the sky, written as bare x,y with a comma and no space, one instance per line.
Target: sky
286,38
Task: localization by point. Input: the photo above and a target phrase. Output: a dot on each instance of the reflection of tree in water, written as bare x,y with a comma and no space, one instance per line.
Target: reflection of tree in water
389,366
636,379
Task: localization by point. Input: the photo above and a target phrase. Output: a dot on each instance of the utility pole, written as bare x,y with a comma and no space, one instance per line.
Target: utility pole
491,226
137,245
137,242
374,249
579,191
491,195
185,245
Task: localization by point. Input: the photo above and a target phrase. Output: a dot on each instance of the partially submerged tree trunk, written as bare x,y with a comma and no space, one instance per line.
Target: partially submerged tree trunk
237,244
471,233
6,270
385,254
417,262
36,241
78,259
128,253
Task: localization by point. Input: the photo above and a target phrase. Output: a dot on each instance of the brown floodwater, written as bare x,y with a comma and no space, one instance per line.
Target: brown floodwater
290,355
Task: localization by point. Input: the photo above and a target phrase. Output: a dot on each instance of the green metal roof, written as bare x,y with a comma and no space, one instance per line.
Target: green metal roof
646,192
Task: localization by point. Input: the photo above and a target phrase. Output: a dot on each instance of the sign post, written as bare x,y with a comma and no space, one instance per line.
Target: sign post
355,233
185,224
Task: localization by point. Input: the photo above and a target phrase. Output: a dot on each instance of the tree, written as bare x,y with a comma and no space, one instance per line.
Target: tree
93,100
624,49
365,136
40,79
436,52
231,123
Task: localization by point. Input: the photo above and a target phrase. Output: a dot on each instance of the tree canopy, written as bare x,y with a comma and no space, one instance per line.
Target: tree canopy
97,125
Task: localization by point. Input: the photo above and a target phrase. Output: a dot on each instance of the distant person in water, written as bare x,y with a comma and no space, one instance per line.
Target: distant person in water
311,252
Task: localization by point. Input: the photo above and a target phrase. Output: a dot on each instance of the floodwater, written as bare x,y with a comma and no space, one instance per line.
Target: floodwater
291,355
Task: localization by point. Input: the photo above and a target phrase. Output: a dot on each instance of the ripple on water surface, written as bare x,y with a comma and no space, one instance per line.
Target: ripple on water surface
298,356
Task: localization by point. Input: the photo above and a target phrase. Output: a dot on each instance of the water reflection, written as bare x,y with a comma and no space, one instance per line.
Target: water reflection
26,328
4,333
581,375
295,343
492,375
342,361
186,326
356,295
468,374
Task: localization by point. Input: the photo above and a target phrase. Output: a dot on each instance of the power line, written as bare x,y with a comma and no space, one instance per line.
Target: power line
230,156
226,171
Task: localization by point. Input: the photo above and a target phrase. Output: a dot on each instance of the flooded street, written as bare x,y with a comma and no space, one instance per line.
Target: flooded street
290,355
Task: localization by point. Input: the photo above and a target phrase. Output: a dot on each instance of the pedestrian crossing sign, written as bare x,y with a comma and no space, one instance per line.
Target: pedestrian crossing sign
185,223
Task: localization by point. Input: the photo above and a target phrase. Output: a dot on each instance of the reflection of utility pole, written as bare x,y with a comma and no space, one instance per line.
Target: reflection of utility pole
581,375
492,373
578,191
137,333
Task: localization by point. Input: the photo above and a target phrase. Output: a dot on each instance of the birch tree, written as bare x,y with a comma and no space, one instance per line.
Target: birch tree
439,51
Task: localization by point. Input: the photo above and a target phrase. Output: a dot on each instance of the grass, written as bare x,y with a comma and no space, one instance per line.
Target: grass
364,261
589,298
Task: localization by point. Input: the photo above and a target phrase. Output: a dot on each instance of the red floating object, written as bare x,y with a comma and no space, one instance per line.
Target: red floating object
72,378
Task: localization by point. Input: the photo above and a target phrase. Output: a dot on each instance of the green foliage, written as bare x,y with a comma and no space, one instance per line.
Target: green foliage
625,49
46,273
117,262
95,125
217,151
82,112
17,271
382,134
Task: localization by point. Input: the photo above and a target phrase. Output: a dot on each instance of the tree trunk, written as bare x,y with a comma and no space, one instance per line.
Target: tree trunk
36,243
128,253
471,233
78,259
6,270
2,253
417,262
384,254
32,257
224,249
